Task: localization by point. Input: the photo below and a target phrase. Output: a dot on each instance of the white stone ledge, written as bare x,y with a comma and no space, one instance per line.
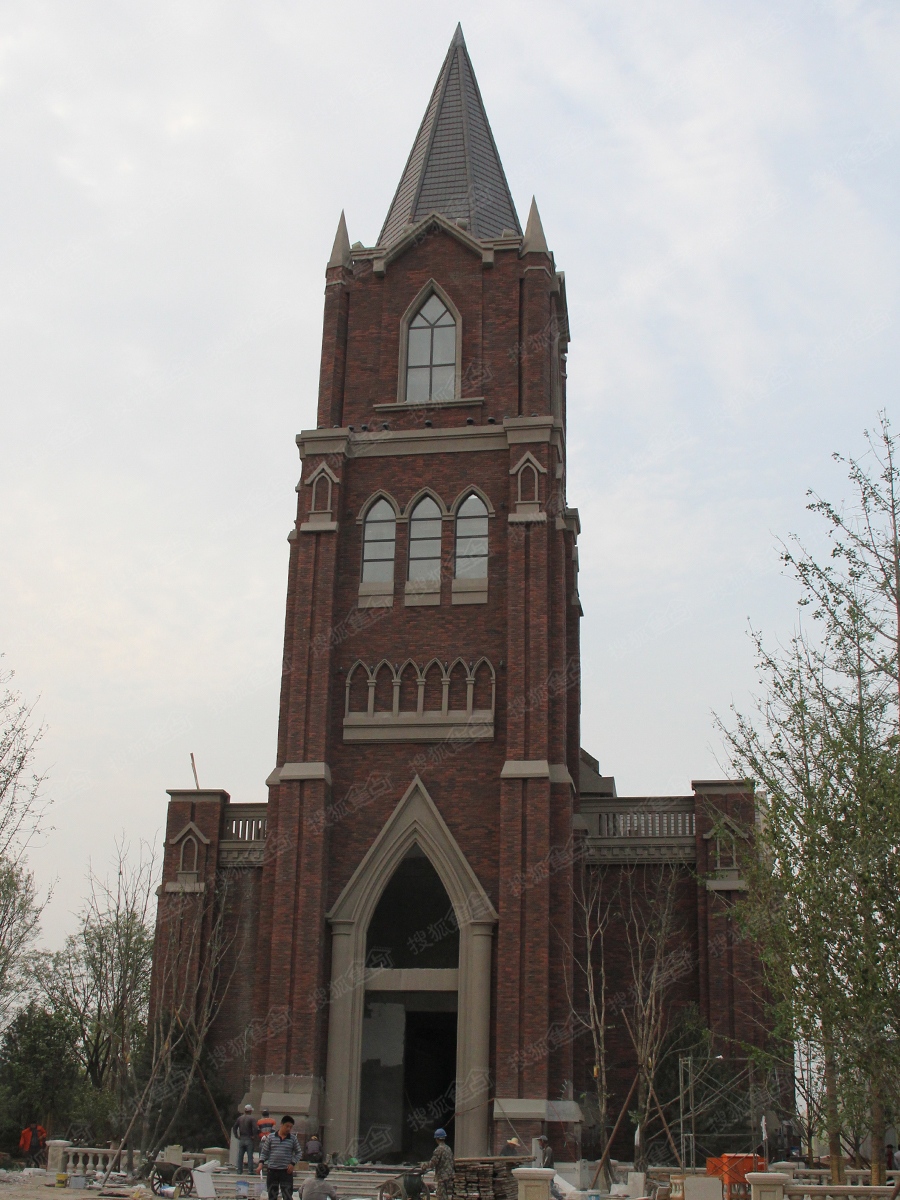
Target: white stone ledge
536,1109
425,728
412,979
318,527
525,768
427,405
301,770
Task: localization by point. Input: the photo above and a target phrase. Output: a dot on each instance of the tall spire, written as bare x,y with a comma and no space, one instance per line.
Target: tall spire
454,168
534,240
340,251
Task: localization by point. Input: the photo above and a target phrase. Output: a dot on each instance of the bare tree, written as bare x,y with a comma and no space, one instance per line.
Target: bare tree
655,961
22,807
595,896
193,944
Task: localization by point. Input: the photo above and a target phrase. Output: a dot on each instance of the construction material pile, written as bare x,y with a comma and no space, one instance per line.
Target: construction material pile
486,1178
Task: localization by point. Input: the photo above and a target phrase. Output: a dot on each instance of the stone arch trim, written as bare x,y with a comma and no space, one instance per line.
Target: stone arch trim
381,494
190,828
322,473
415,821
420,495
472,489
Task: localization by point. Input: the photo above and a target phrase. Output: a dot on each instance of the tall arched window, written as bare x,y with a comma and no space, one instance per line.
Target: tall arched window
425,541
472,539
379,535
431,354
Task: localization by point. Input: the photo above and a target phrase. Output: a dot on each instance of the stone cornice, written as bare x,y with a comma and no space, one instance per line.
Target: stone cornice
385,443
720,787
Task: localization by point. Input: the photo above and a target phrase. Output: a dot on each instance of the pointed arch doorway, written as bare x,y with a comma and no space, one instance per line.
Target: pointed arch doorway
417,1024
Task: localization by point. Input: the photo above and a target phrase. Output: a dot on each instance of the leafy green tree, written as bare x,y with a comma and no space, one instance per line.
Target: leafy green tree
99,985
823,746
39,1072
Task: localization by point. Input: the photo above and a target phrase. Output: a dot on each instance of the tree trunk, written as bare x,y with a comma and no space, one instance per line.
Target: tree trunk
878,1129
832,1118
643,1104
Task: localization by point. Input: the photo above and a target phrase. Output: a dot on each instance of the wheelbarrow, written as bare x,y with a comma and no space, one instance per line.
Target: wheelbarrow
169,1175
410,1185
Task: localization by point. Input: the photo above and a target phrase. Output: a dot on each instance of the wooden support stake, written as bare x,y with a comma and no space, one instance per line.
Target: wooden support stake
601,1165
666,1127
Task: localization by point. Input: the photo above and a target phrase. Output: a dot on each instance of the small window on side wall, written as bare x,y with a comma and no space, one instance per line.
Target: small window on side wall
379,539
431,354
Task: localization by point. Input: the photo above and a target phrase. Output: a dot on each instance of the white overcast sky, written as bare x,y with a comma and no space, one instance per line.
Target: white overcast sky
719,182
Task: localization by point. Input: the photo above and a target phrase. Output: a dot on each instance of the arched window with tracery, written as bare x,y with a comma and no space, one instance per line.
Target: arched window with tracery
431,353
379,539
425,541
472,539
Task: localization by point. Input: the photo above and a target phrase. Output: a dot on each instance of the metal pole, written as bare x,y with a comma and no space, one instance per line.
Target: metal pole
686,1092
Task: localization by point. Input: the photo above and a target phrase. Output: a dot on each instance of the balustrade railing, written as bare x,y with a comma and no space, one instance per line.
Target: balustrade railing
784,1185
245,824
646,823
813,1190
86,1160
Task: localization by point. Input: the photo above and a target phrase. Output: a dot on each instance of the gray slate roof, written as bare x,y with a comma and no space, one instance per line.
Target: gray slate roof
454,167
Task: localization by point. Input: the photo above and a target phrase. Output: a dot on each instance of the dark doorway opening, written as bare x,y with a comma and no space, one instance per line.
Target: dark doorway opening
429,1081
408,1075
414,924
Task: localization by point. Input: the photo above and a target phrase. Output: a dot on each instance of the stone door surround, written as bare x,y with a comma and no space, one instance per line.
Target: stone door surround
415,821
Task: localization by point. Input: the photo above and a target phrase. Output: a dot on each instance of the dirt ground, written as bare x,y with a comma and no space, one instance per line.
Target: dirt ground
14,1185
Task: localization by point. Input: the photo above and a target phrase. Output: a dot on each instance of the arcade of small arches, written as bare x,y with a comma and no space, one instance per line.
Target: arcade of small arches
408,702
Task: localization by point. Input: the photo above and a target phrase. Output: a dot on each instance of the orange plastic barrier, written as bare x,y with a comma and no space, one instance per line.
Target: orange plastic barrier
732,1170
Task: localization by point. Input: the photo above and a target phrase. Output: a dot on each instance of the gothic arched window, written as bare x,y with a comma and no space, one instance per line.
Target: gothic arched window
188,854
431,354
425,541
472,539
379,535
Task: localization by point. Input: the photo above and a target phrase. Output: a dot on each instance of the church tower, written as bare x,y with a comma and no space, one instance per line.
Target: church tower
414,919
387,944
405,896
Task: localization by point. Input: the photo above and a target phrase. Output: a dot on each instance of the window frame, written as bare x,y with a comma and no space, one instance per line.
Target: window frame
411,520
485,516
431,288
386,583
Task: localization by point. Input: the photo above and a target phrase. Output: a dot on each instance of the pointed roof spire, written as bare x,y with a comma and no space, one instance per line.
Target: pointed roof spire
340,251
454,167
535,242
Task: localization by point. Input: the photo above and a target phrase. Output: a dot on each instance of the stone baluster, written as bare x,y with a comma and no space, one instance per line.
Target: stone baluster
534,1182
767,1185
56,1162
